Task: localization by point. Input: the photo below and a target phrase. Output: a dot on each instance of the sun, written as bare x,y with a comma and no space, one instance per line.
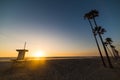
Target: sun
39,54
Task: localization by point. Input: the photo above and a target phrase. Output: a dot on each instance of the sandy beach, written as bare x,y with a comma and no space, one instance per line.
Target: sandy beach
62,69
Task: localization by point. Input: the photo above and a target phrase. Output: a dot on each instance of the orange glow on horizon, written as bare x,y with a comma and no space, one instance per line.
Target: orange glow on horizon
39,54
47,53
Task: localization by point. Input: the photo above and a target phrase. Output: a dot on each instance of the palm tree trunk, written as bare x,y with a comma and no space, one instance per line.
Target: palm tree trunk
110,52
97,45
95,22
108,58
113,52
109,61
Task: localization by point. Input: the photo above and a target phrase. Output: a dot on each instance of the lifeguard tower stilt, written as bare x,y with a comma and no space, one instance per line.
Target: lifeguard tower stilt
21,53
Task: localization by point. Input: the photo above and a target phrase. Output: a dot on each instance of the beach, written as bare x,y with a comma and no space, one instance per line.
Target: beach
61,69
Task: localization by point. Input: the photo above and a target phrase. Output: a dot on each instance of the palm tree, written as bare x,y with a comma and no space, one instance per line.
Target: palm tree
94,14
101,31
106,44
109,41
89,16
115,52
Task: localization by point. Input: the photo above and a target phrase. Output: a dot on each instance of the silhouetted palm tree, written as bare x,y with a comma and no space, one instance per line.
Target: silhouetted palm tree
115,52
106,44
101,31
94,14
109,41
89,16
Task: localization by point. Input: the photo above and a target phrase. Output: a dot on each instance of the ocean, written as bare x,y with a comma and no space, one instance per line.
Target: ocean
44,58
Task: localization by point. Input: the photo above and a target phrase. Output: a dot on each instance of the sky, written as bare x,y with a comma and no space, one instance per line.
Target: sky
56,27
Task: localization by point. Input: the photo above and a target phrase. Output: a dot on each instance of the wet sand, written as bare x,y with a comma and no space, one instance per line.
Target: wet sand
64,69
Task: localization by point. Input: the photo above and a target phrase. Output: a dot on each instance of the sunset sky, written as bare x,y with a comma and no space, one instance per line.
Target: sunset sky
56,27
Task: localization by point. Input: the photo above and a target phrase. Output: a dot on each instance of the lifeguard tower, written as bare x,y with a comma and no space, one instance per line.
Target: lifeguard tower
21,53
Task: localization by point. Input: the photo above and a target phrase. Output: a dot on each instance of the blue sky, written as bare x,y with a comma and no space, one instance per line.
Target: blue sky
56,25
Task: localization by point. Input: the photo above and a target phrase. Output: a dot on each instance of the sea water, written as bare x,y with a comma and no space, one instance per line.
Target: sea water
45,58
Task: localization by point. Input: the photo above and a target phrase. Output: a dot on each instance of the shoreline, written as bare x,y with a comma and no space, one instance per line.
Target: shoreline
9,59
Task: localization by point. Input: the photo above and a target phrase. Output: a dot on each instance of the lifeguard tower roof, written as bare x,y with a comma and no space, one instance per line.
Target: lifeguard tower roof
25,50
